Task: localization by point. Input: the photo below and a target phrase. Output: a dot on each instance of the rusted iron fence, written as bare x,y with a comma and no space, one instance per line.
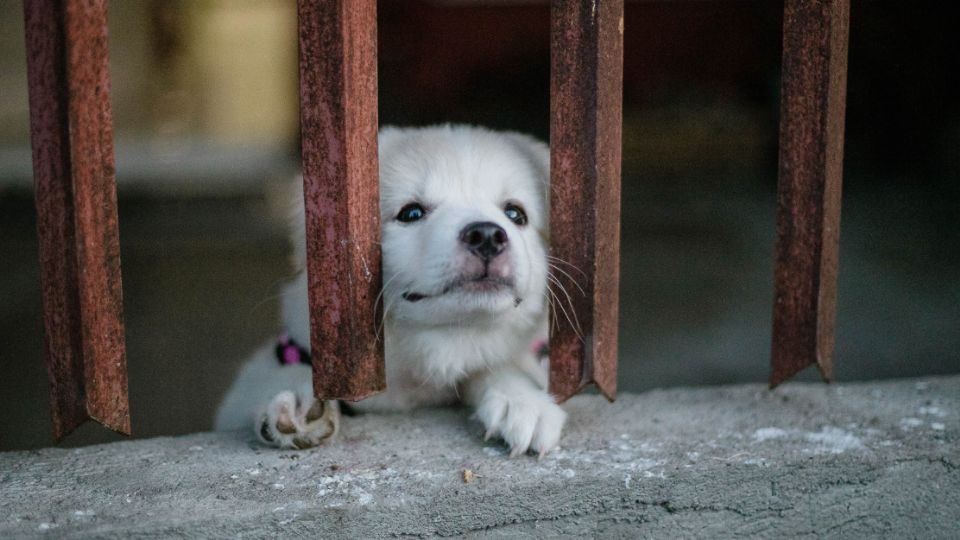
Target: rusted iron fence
338,112
812,103
586,87
71,135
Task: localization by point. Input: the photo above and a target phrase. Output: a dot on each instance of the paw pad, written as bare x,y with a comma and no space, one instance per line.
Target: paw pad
290,421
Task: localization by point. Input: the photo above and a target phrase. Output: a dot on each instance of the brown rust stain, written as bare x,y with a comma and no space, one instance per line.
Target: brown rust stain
813,96
585,143
338,108
72,140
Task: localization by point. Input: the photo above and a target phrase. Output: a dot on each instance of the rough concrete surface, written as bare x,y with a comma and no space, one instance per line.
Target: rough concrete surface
855,460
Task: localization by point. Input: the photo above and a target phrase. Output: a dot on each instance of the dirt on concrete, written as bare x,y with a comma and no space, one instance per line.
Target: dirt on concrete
854,461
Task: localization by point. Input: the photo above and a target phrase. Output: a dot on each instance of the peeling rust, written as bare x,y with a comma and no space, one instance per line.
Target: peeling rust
585,142
338,109
72,138
813,95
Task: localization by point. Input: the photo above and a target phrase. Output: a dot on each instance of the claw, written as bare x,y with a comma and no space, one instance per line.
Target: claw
316,411
489,433
285,425
302,444
265,432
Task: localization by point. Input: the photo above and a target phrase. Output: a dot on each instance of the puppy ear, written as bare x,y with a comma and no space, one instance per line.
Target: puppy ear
387,136
537,154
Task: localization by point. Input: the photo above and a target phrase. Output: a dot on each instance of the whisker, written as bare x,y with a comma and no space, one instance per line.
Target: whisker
552,310
386,308
383,289
574,322
571,265
272,286
266,299
566,316
383,320
574,281
573,312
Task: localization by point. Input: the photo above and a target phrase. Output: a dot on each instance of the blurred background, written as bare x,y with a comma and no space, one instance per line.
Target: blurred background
205,113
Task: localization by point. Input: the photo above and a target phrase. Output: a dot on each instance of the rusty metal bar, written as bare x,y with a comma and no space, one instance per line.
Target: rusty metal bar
586,92
338,111
72,137
813,95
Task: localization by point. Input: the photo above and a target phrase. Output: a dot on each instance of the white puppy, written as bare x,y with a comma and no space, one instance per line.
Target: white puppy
464,222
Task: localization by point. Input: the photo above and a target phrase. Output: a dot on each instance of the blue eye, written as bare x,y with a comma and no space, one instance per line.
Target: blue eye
515,214
411,212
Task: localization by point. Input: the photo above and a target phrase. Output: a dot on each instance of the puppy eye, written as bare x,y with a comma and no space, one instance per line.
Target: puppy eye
411,212
515,214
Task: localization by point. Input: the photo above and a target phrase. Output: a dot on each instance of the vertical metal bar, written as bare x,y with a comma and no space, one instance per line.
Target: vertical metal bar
586,115
338,109
813,95
72,139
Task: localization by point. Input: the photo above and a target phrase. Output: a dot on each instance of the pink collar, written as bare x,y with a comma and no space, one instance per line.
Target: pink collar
289,353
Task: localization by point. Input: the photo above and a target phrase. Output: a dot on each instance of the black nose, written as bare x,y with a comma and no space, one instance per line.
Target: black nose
484,239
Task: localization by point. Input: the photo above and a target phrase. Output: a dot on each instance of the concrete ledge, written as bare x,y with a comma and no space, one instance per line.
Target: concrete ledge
856,460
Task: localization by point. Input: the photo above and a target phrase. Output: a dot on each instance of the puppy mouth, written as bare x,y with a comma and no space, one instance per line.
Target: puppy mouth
478,284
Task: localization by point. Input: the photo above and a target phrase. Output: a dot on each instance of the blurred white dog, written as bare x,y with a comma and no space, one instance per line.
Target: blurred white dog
464,235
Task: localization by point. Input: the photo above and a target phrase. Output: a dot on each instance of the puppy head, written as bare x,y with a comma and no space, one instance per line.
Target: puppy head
464,220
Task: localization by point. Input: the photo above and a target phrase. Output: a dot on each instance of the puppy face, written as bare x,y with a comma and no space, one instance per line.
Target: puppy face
464,217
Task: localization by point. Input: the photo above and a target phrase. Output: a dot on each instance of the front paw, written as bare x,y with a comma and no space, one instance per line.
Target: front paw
529,421
297,421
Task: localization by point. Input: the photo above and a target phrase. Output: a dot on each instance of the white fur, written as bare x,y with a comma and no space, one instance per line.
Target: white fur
458,339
